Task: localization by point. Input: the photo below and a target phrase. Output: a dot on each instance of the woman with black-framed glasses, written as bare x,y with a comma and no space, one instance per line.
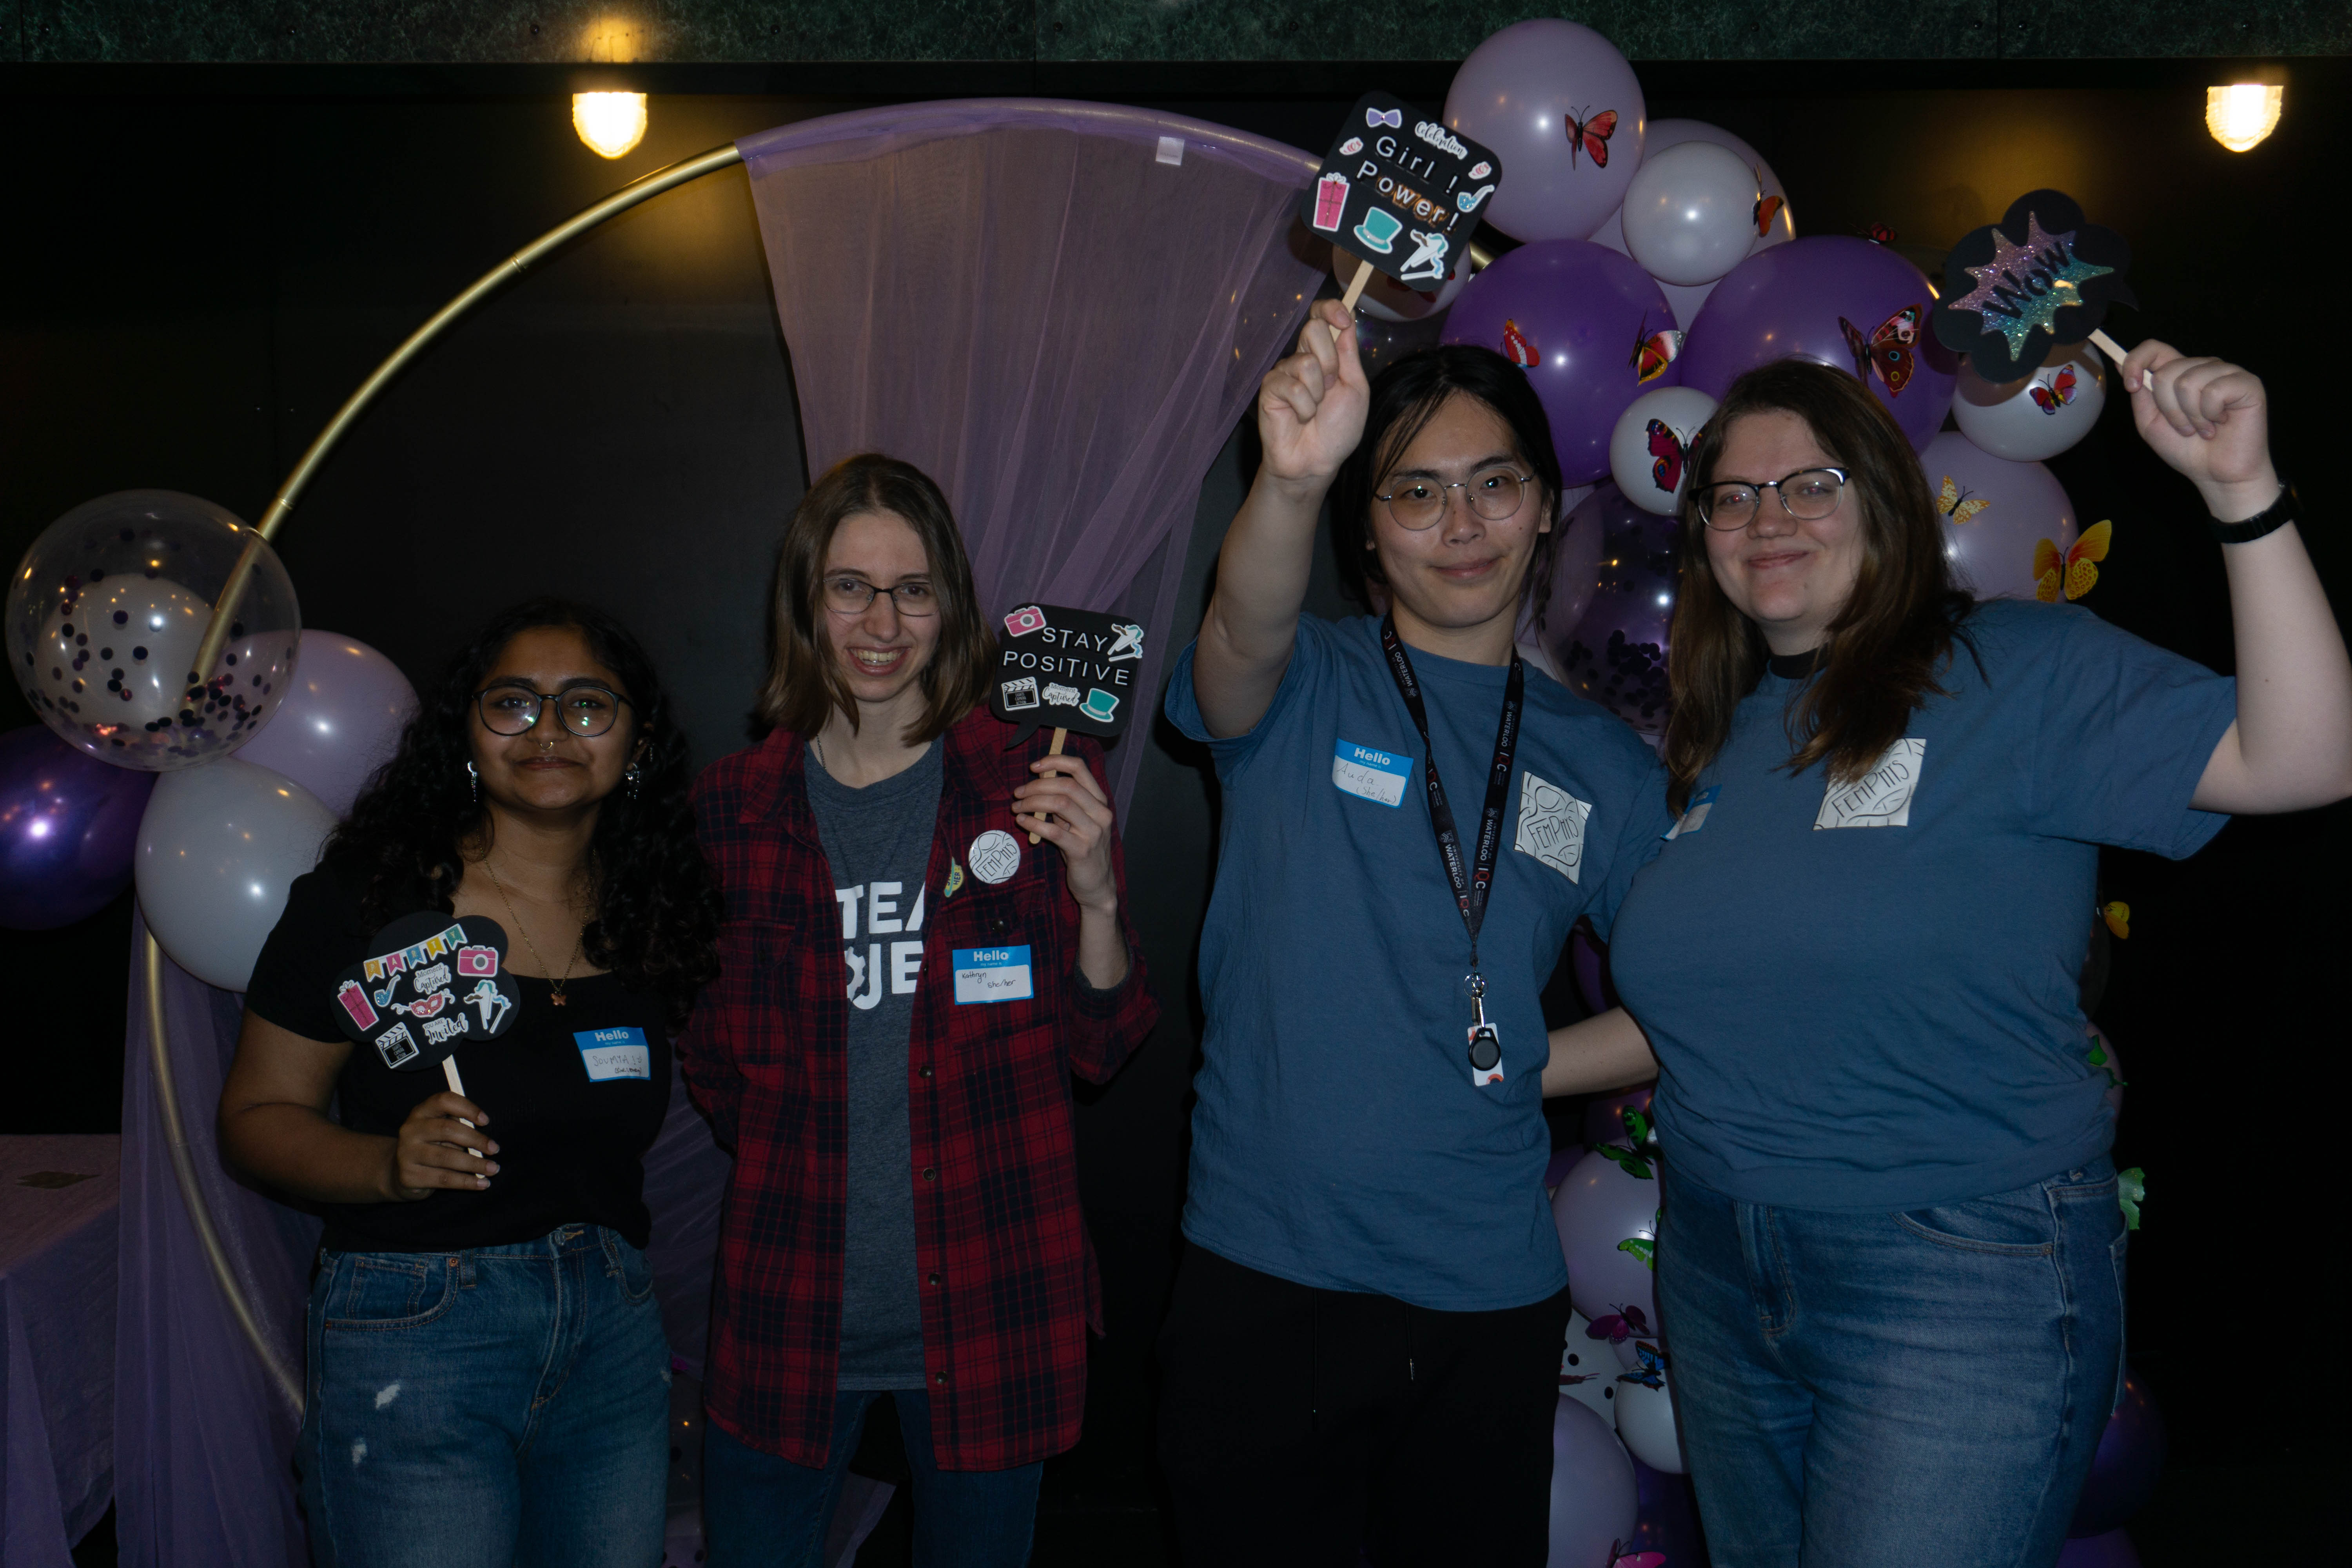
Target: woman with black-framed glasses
489,1379
1890,1265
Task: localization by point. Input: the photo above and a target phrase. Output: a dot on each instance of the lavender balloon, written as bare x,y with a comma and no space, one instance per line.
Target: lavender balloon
1383,342
2123,1473
339,720
1575,571
1601,1206
1772,212
1841,300
1995,513
1616,654
1604,1118
2113,1550
68,823
1594,1505
1576,316
1545,95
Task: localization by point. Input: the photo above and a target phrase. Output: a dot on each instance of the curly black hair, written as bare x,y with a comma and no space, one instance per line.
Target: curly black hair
658,904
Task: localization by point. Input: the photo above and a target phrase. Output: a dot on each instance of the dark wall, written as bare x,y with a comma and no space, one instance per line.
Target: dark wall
198,277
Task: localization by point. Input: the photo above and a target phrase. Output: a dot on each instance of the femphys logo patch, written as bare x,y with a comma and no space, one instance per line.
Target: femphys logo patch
1881,798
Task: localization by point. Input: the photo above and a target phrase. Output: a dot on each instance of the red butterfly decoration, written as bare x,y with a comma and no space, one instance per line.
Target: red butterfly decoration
1667,448
1766,207
2049,399
1888,349
1879,234
1516,346
1593,135
1653,352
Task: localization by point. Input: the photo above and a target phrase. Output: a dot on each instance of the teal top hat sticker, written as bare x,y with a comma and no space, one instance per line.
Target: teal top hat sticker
1066,670
1400,191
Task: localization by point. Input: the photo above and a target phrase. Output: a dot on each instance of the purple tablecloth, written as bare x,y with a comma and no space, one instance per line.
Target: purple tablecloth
57,1313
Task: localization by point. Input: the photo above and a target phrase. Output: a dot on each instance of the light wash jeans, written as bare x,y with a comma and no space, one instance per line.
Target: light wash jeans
499,1405
1858,1389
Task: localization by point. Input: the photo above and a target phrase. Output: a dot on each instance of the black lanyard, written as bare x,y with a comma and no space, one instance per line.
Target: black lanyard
1471,882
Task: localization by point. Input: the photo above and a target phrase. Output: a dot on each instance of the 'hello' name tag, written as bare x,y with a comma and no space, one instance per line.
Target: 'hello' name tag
610,1053
991,975
1369,772
1694,819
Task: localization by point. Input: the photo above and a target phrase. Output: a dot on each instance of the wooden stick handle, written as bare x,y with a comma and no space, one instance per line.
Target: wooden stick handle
456,1086
1355,289
1059,736
2108,346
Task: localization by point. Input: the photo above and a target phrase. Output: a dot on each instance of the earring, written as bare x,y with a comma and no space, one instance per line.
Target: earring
636,778
474,782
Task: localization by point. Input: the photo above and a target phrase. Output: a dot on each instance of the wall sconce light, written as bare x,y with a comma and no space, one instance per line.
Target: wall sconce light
613,122
2241,114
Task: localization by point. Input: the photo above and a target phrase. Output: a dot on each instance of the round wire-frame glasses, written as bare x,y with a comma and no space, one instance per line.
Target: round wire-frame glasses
1494,494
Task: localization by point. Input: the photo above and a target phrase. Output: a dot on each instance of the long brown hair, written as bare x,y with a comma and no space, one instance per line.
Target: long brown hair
803,687
1884,648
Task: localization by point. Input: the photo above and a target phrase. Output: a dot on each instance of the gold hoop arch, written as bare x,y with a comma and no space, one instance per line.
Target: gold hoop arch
280,508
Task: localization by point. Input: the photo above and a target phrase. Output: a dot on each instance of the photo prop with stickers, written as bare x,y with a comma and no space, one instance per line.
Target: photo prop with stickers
1401,192
2040,279
437,981
1074,669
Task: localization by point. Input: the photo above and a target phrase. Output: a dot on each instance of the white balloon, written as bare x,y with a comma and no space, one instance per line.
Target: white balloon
1588,1371
1639,458
1772,212
2039,417
1386,300
1645,1421
1689,214
1595,1500
341,718
218,850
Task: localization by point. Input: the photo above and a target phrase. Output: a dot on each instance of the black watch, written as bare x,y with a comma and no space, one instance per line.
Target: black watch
2271,519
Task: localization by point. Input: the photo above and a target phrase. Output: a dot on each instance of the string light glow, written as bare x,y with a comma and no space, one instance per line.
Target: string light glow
2242,113
610,122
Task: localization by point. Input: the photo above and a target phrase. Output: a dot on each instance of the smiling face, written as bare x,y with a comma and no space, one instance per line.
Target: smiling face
1789,576
1463,574
879,652
551,768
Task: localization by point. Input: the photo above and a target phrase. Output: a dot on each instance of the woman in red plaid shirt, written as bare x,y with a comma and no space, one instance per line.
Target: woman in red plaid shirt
904,1216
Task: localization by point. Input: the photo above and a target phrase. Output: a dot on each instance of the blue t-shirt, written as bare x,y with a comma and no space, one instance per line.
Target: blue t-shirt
1338,1140
1867,996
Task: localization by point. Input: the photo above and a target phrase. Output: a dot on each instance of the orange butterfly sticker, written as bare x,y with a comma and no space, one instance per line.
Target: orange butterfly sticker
2071,573
2118,918
1957,503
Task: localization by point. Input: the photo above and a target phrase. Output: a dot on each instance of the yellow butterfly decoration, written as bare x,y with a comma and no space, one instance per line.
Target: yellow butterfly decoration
1957,503
2118,918
2070,572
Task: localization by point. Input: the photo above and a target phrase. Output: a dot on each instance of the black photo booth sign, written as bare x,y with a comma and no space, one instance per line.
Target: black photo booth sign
437,981
2038,280
1066,670
1400,191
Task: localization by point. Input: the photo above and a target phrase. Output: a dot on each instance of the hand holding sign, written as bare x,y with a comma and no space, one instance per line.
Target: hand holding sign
2041,279
1074,669
432,1152
1401,193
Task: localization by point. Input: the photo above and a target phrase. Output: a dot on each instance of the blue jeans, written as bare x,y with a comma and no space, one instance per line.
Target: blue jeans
1924,1388
502,1404
762,1512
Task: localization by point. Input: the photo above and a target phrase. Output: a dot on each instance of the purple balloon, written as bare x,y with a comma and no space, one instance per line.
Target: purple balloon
1604,1118
1594,1506
2124,1472
2113,1550
1600,1204
1667,1519
338,723
1993,549
1576,315
1382,344
1797,299
68,824
1519,92
1615,654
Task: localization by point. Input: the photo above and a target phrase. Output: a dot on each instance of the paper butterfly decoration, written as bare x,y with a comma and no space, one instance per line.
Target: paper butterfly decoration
1517,348
1620,1558
2131,1191
1666,447
1632,1162
1650,1368
2040,279
1643,1248
1592,135
2049,399
1626,1323
2104,1062
1768,207
1889,350
1957,503
1653,352
2071,573
2118,918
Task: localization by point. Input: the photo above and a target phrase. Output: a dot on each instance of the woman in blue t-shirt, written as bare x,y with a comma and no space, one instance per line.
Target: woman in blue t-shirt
1890,1272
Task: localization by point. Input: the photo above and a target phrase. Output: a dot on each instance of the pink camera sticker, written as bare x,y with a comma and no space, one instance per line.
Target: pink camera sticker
473,962
1027,619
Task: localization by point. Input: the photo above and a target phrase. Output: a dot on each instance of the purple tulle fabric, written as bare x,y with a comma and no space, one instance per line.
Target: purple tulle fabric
1058,309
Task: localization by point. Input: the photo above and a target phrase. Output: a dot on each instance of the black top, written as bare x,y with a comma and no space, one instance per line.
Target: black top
1787,666
571,1149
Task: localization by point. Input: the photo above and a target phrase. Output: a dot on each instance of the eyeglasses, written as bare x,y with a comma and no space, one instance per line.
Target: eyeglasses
1493,494
587,711
847,596
1809,495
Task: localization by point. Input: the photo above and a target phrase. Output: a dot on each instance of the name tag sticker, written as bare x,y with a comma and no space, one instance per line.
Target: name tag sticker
1369,772
991,975
1881,798
1552,826
610,1053
1694,819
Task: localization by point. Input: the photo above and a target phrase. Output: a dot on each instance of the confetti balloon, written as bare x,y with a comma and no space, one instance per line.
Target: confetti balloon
1587,1371
1775,223
1560,107
1653,436
1668,1521
2113,1550
1594,1504
107,614
1615,654
2039,417
1997,516
1687,213
67,824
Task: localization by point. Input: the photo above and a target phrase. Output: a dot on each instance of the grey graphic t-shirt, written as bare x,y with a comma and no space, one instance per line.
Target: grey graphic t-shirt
878,841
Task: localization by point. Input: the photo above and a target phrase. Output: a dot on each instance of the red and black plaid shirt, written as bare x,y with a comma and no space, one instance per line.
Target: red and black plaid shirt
1006,1273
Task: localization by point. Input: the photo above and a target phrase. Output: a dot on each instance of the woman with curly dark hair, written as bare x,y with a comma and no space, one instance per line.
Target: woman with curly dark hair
489,1380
